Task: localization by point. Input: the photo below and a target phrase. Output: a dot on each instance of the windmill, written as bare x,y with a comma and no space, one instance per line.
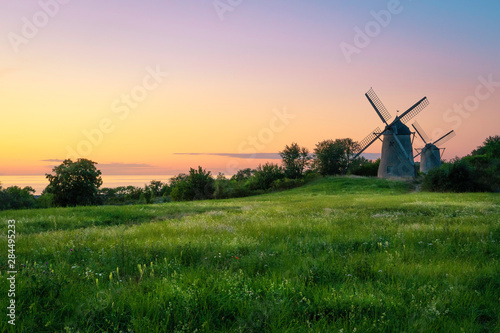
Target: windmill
397,151
431,153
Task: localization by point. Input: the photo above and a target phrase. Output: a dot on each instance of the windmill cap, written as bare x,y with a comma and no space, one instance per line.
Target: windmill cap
401,129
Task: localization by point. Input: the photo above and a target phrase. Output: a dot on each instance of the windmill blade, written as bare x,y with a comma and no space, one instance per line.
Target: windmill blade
445,138
366,142
414,110
425,138
421,151
405,153
378,106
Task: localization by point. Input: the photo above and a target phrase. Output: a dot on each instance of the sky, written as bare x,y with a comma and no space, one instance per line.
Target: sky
158,87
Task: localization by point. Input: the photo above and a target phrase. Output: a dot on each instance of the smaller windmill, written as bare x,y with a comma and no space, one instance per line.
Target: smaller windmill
397,151
431,153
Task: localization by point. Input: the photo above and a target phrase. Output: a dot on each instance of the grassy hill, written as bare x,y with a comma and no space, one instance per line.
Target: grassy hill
337,255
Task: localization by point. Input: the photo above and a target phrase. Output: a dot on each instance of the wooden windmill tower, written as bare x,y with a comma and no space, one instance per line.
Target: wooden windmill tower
397,151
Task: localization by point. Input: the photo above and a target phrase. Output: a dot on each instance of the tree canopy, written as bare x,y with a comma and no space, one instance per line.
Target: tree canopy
334,157
295,160
75,183
198,185
490,147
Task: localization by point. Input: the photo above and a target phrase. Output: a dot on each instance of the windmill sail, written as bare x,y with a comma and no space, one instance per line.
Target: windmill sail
420,131
445,138
378,106
414,110
366,142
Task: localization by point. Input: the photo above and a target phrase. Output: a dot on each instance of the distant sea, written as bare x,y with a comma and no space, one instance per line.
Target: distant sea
39,182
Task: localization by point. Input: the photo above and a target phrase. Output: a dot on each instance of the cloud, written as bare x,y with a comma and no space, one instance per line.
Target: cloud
265,156
262,156
110,165
118,168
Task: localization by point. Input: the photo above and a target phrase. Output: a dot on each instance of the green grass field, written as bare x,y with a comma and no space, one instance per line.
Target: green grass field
337,255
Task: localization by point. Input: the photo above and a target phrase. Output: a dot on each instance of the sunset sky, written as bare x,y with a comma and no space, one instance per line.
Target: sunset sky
157,87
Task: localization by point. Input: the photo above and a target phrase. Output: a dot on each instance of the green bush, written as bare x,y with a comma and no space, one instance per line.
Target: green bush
222,187
490,147
166,190
311,175
486,160
46,200
457,176
202,183
462,177
182,191
149,195
198,185
156,187
286,183
264,176
487,171
122,195
231,188
243,175
15,197
365,168
132,193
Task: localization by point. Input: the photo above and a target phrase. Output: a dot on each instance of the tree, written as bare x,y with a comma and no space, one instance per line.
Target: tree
295,160
156,187
327,158
15,197
490,147
75,183
177,179
347,148
243,175
131,192
486,161
455,176
202,183
198,185
334,157
265,175
221,187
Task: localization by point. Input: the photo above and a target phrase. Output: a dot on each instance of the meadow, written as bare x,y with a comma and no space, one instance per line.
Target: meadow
339,254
